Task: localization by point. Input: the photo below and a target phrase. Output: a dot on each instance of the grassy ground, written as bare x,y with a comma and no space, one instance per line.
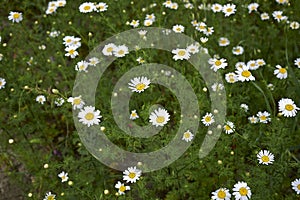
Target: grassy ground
39,141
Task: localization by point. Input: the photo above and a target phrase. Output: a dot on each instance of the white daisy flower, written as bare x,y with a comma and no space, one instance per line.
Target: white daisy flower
245,107
209,31
216,7
77,102
188,136
2,83
201,27
109,49
223,42
252,65
148,22
82,66
231,77
181,54
297,62
87,7
61,3
139,84
15,16
134,23
241,191
238,50
193,48
244,74
240,65
217,87
282,1
132,174
59,101
178,28
208,119
133,115
253,7
120,51
229,127
264,16
159,117
280,72
51,10
217,64
221,194
174,6
287,107
49,196
71,51
263,117
167,4
265,157
40,99
296,185
64,176
94,61
101,7
229,9
89,116
150,17
260,62
203,39
277,15
294,25
253,119
121,188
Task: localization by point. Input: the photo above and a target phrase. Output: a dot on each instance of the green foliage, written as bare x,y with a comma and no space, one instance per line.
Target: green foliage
46,142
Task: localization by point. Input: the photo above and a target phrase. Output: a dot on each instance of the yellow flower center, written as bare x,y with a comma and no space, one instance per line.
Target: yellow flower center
218,62
89,116
298,186
252,64
76,101
246,73
279,16
221,194
109,49
63,177
140,86
227,128
207,119
148,23
0,83
282,70
181,53
160,119
81,67
16,15
71,51
133,114
69,41
178,29
289,107
263,118
243,191
187,135
229,10
50,197
87,8
101,7
121,52
40,99
265,159
131,175
122,188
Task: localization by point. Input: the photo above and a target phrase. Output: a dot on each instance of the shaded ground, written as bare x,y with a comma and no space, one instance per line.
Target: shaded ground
8,190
